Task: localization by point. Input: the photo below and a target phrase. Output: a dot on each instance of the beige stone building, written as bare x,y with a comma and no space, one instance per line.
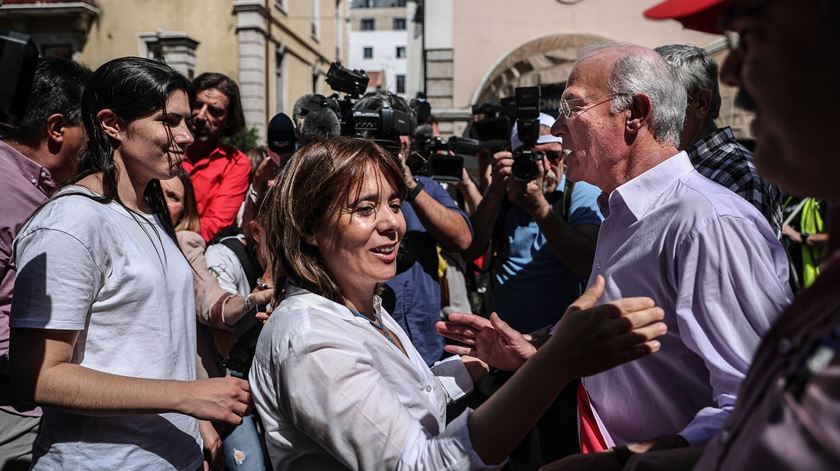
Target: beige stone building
277,50
480,50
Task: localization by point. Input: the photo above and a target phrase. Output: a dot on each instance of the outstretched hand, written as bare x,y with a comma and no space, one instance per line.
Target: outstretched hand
593,338
490,340
589,339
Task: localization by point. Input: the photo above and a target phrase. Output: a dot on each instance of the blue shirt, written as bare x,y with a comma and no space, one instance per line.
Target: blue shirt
417,290
530,287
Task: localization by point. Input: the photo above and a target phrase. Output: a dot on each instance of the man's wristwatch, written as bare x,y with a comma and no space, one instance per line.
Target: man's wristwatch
414,191
804,237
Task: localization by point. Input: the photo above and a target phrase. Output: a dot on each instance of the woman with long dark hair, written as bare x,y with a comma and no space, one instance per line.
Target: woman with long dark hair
103,318
338,383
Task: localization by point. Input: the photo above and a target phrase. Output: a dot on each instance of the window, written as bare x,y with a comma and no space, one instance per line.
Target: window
368,53
367,24
400,3
400,83
399,24
65,51
400,52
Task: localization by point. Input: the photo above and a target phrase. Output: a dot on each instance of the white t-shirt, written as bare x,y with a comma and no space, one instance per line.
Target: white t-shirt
94,268
223,262
334,393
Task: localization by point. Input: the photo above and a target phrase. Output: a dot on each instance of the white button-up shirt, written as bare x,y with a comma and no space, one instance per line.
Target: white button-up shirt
710,260
334,393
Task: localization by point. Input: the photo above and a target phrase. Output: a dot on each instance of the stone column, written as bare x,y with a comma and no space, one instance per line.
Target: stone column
251,17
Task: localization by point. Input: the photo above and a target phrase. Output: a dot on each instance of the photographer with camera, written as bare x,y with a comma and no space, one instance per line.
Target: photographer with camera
432,218
543,234
544,239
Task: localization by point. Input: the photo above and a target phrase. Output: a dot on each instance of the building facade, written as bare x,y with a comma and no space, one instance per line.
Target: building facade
277,50
379,42
473,51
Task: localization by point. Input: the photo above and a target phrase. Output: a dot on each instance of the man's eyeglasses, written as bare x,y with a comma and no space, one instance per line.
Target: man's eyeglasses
566,111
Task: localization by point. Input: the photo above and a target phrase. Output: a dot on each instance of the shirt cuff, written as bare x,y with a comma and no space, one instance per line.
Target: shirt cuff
454,377
705,425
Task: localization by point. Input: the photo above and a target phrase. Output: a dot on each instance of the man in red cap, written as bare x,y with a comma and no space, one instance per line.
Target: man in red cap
785,58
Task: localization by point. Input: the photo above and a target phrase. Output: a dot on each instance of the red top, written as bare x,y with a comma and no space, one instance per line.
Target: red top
220,181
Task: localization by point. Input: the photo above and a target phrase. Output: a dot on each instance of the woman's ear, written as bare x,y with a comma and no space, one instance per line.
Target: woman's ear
311,240
111,124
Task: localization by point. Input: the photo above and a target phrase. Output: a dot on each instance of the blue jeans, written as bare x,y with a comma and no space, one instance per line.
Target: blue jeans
243,447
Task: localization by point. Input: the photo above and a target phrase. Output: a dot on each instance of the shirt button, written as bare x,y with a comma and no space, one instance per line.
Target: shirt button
428,388
597,265
725,435
34,181
784,345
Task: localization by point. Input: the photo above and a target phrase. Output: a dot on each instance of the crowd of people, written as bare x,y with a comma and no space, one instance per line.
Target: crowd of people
657,297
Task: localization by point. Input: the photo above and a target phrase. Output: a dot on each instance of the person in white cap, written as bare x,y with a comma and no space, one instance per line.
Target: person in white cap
542,235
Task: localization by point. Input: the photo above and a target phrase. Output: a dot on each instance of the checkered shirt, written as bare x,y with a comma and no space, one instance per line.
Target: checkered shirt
720,158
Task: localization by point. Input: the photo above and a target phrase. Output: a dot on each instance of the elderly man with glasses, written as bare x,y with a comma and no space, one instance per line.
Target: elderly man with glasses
704,254
785,58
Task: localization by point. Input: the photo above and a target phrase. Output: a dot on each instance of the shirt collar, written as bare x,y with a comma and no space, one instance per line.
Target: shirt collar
342,311
32,171
640,193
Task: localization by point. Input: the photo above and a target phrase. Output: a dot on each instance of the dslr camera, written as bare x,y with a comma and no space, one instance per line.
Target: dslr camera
525,159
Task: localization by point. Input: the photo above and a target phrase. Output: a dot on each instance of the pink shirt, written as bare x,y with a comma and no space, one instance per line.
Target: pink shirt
24,186
711,261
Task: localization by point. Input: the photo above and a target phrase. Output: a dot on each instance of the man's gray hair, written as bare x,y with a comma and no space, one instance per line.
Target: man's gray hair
696,71
643,71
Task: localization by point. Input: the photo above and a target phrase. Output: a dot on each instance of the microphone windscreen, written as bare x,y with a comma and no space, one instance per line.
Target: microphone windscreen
321,123
281,134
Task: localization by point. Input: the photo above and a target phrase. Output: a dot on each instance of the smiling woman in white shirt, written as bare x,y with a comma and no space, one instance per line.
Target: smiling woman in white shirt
338,383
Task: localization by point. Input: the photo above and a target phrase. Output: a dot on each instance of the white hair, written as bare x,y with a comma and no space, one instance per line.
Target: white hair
642,71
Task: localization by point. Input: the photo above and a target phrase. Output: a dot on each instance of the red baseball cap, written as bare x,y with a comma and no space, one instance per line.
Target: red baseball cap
700,15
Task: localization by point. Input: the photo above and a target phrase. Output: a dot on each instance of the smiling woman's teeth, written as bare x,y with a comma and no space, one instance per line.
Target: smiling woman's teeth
385,250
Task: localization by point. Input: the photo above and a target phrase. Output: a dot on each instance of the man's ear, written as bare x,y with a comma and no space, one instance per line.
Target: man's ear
700,103
56,125
640,110
111,124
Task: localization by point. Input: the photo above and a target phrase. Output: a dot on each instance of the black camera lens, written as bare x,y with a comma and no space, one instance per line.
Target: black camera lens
524,166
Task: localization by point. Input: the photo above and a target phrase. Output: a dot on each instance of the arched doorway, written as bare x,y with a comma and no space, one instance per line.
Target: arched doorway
546,61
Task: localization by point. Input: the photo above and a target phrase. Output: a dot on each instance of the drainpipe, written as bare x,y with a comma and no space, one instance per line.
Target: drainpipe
268,40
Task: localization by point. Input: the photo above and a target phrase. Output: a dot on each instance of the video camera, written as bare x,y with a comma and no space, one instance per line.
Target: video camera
385,124
525,159
442,160
493,129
